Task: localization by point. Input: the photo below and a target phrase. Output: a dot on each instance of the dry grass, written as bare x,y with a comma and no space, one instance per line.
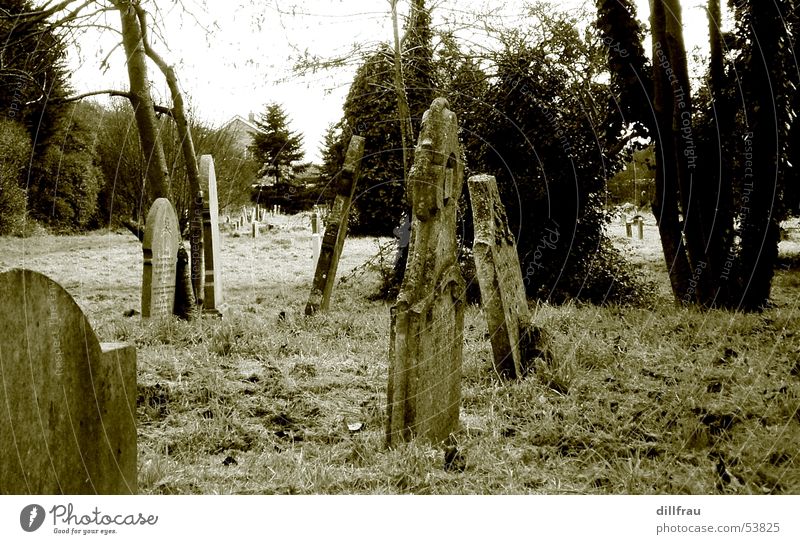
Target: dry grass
266,400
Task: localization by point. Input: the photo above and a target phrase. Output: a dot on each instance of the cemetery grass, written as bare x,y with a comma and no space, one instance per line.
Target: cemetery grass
654,400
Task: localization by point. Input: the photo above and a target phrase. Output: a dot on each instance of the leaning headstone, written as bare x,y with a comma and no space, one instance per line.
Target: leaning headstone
160,249
336,229
68,402
212,263
427,321
500,279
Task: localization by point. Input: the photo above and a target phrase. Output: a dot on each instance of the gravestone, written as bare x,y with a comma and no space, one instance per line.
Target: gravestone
335,229
160,249
500,278
68,402
212,263
196,241
427,321
316,241
254,227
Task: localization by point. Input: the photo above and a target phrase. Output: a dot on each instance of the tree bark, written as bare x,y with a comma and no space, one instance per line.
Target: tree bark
760,191
676,162
142,103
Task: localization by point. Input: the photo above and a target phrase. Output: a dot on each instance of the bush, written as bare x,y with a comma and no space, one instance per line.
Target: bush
16,146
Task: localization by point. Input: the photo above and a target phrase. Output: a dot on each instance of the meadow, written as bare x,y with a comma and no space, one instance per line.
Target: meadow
651,400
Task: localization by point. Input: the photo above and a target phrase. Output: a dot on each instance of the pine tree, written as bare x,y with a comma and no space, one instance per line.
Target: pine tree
276,147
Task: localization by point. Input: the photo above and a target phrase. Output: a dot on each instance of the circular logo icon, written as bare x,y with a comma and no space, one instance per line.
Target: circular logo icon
31,517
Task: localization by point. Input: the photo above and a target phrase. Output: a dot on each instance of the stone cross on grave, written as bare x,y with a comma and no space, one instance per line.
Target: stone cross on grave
427,321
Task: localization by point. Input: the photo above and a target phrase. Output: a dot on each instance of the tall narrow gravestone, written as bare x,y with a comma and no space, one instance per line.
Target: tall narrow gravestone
67,402
160,248
427,321
500,278
212,263
335,229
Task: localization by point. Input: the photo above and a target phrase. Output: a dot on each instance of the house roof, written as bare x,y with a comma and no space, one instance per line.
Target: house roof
240,119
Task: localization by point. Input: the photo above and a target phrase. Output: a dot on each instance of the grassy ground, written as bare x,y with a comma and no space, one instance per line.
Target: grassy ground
658,400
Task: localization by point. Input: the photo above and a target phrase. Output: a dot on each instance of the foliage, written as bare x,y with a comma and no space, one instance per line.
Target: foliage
540,141
14,159
276,147
371,110
66,180
32,70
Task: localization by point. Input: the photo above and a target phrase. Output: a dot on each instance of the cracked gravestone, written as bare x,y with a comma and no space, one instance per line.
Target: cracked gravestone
68,402
335,229
160,249
212,263
427,321
500,279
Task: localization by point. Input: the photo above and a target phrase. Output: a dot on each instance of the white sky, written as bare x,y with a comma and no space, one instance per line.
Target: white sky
245,61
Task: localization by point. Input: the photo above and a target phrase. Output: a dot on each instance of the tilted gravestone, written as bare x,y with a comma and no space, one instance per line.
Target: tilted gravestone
68,402
500,278
427,321
335,229
160,249
212,263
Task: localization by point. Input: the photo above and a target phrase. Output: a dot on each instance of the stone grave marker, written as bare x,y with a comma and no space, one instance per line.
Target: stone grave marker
160,249
212,263
335,229
500,279
68,402
316,240
427,321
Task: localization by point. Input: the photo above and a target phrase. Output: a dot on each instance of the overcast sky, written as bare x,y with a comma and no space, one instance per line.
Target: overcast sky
243,58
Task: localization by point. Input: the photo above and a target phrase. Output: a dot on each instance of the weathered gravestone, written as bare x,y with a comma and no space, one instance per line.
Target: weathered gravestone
335,229
427,321
160,248
67,402
212,263
500,278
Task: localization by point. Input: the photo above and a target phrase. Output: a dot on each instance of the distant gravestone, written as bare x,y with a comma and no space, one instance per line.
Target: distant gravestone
212,263
160,248
68,402
427,321
500,278
335,229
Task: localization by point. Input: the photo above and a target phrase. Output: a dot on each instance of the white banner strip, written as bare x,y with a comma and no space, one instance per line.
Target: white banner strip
400,519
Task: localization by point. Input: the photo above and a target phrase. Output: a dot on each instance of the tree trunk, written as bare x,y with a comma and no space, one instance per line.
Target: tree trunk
760,192
719,225
676,161
142,103
189,158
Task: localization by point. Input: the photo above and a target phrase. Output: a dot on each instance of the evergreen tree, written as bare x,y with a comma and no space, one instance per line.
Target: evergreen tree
276,147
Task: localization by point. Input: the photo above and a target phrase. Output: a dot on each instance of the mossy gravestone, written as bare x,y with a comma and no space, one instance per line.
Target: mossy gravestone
427,321
500,278
212,263
67,402
335,229
160,249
